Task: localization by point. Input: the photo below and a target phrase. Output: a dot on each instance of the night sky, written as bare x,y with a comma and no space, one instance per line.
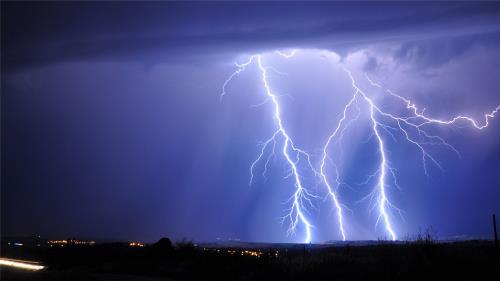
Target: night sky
113,127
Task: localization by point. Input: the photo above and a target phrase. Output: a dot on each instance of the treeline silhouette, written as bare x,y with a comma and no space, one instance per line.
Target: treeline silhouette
421,259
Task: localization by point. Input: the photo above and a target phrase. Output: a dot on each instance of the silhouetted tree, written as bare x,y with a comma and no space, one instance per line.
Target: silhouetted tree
162,248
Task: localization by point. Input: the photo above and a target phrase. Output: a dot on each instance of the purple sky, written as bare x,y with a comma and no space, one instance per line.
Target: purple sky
112,125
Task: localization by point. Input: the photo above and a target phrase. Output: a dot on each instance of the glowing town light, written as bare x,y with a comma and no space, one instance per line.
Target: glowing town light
136,244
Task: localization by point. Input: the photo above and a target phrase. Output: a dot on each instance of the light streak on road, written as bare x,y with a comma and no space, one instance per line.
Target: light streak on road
21,264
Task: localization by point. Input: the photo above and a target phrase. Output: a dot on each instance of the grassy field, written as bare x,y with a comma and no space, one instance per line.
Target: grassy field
420,260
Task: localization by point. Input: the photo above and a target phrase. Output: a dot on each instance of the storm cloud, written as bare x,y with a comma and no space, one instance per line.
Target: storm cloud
111,115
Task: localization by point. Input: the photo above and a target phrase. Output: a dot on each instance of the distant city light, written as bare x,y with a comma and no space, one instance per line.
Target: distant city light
62,243
57,242
136,244
243,252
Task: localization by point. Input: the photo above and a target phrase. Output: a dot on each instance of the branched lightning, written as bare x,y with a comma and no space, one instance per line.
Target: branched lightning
291,153
286,55
410,125
415,121
241,67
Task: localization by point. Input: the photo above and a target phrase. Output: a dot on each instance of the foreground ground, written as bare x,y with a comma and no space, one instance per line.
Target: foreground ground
424,260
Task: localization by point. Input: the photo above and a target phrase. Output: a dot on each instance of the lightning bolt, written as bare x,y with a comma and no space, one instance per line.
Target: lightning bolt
291,153
286,55
425,120
411,126
415,121
241,67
